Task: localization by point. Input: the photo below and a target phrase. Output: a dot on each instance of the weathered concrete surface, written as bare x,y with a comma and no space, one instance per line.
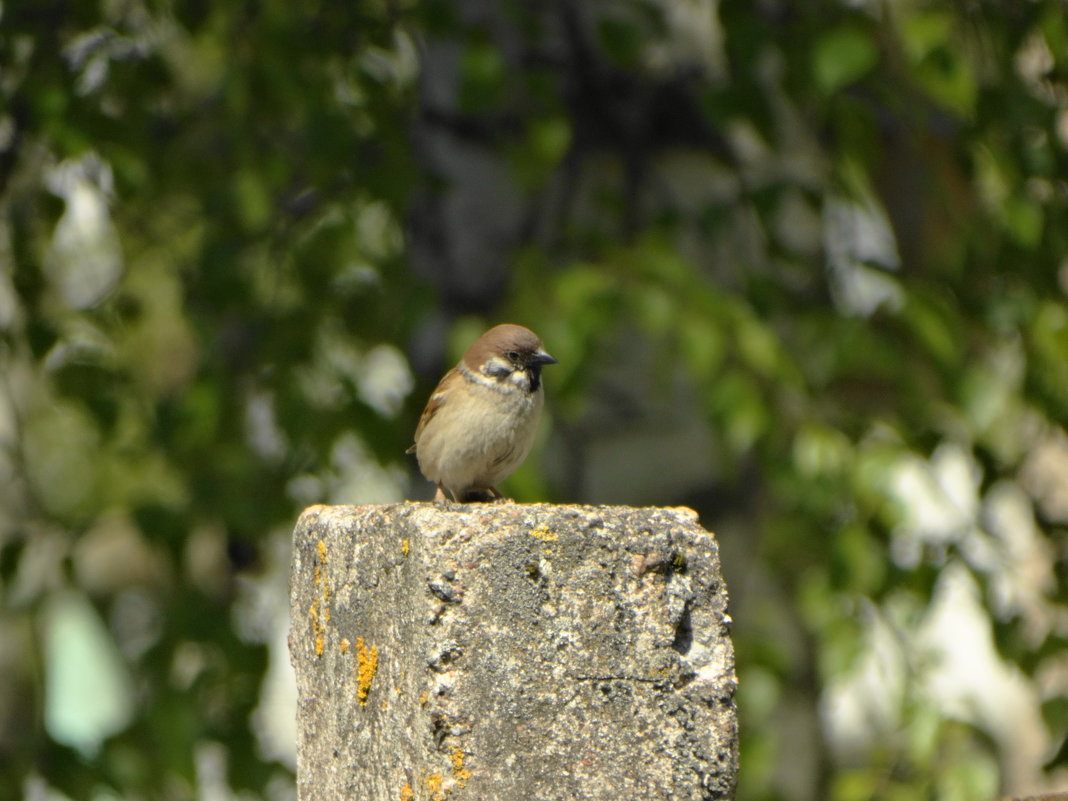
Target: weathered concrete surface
511,653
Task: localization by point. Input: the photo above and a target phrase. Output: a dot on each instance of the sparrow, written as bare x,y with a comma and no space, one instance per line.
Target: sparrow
480,421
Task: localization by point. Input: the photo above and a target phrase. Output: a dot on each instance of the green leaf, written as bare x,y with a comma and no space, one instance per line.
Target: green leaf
62,446
550,138
703,345
1049,346
923,31
820,450
757,344
859,561
656,309
621,40
841,57
586,291
252,200
854,784
482,74
1024,221
739,403
939,64
931,322
540,152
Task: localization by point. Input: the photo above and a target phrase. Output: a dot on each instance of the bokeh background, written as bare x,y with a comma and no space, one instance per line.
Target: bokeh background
804,265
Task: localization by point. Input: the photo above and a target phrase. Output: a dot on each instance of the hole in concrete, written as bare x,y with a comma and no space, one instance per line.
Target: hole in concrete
683,632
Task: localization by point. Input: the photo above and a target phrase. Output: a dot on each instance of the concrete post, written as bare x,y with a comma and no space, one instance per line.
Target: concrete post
511,652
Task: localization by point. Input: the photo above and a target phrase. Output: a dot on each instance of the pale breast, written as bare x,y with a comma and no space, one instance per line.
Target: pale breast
482,441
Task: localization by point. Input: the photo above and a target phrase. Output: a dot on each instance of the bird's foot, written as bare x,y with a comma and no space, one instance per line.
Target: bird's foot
482,495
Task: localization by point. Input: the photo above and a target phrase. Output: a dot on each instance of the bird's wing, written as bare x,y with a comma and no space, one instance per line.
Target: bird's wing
437,400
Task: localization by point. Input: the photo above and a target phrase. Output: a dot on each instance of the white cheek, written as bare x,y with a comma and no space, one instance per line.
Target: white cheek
519,378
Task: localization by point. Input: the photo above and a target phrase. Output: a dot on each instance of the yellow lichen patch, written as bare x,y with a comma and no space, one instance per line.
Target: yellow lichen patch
366,667
344,644
459,772
317,627
544,534
320,608
407,794
433,786
406,546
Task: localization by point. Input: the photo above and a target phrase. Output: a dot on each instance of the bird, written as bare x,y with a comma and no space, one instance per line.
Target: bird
480,421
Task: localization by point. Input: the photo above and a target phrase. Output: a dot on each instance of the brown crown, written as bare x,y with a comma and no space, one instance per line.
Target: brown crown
499,340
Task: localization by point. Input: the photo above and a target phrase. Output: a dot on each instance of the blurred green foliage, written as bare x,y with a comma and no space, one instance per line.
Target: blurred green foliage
821,244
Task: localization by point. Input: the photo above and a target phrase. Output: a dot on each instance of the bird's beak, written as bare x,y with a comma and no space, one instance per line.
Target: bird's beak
541,357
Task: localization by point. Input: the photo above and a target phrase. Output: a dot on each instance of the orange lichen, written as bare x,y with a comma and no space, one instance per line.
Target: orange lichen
366,667
459,772
406,546
320,608
545,534
407,794
433,786
317,627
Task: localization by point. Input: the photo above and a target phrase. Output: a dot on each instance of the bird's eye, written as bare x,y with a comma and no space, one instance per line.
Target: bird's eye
513,355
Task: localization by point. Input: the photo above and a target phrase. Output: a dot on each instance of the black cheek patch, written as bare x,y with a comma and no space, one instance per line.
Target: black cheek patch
497,370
